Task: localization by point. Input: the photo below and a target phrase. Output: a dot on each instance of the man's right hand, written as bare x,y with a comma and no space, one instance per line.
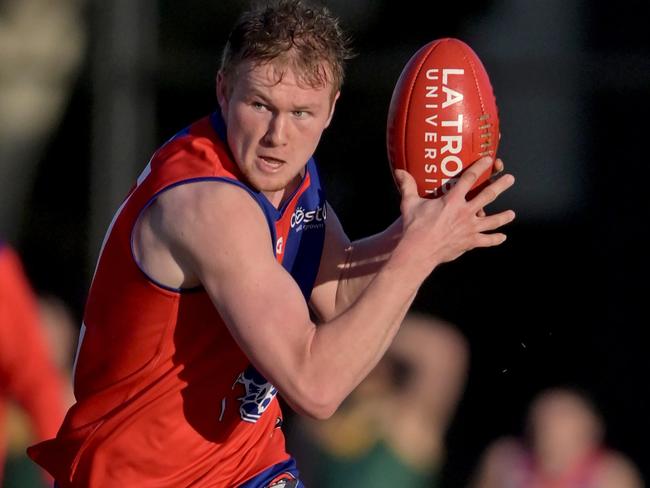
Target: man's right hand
440,230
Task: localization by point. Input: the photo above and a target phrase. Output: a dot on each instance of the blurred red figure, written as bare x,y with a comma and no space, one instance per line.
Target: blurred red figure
28,374
564,449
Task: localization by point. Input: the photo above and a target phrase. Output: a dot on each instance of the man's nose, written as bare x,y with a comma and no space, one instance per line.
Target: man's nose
276,134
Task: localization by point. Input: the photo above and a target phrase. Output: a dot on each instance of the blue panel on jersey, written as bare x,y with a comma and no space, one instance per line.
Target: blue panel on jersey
304,246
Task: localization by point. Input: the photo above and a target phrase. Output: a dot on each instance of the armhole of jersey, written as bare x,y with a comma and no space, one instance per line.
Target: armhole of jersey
153,199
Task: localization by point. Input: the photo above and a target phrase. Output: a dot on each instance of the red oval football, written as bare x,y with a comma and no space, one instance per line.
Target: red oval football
442,117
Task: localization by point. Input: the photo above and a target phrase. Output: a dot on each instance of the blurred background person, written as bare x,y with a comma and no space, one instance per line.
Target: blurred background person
564,448
41,49
390,431
29,377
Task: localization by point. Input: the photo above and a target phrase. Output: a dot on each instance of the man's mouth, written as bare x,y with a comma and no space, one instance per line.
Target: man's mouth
271,162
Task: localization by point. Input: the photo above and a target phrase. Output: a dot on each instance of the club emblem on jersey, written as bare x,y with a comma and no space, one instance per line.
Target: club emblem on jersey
258,395
285,480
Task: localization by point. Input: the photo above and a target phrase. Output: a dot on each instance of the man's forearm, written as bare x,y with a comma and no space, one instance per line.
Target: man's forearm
365,258
344,350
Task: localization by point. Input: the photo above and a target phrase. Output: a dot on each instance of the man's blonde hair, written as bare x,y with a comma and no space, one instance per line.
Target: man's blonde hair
304,38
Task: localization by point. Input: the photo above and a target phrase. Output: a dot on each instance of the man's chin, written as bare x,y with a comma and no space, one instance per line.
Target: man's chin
267,186
275,183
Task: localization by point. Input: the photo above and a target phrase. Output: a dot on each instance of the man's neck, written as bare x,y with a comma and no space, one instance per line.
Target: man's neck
277,198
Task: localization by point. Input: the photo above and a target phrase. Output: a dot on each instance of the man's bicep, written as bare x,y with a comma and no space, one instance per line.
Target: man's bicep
265,312
267,316
261,304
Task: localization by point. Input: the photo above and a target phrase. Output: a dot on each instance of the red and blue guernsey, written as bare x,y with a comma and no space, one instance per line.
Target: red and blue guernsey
165,397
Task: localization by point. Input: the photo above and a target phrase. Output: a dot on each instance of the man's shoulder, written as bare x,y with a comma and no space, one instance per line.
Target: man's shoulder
195,151
196,227
204,201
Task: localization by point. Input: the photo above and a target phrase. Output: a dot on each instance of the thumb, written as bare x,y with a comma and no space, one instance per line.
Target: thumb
406,183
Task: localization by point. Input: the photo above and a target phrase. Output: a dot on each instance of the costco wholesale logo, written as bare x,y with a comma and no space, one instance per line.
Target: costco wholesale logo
308,220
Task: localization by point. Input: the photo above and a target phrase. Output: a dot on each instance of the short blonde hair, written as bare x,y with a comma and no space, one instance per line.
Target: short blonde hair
305,38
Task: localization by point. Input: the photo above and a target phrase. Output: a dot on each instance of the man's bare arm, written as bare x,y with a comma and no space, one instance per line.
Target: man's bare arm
217,234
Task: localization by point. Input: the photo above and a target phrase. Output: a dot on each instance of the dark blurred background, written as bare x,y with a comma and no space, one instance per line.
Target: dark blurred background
561,302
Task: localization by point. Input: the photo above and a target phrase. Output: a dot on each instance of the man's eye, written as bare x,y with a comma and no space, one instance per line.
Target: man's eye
258,106
300,114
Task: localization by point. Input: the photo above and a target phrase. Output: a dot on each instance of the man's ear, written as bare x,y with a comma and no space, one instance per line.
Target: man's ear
222,93
329,118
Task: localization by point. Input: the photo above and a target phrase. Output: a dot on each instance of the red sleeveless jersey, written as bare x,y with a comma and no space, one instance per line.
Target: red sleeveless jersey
165,397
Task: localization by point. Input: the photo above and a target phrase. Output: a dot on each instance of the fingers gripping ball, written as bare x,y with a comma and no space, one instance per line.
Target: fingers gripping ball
442,117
